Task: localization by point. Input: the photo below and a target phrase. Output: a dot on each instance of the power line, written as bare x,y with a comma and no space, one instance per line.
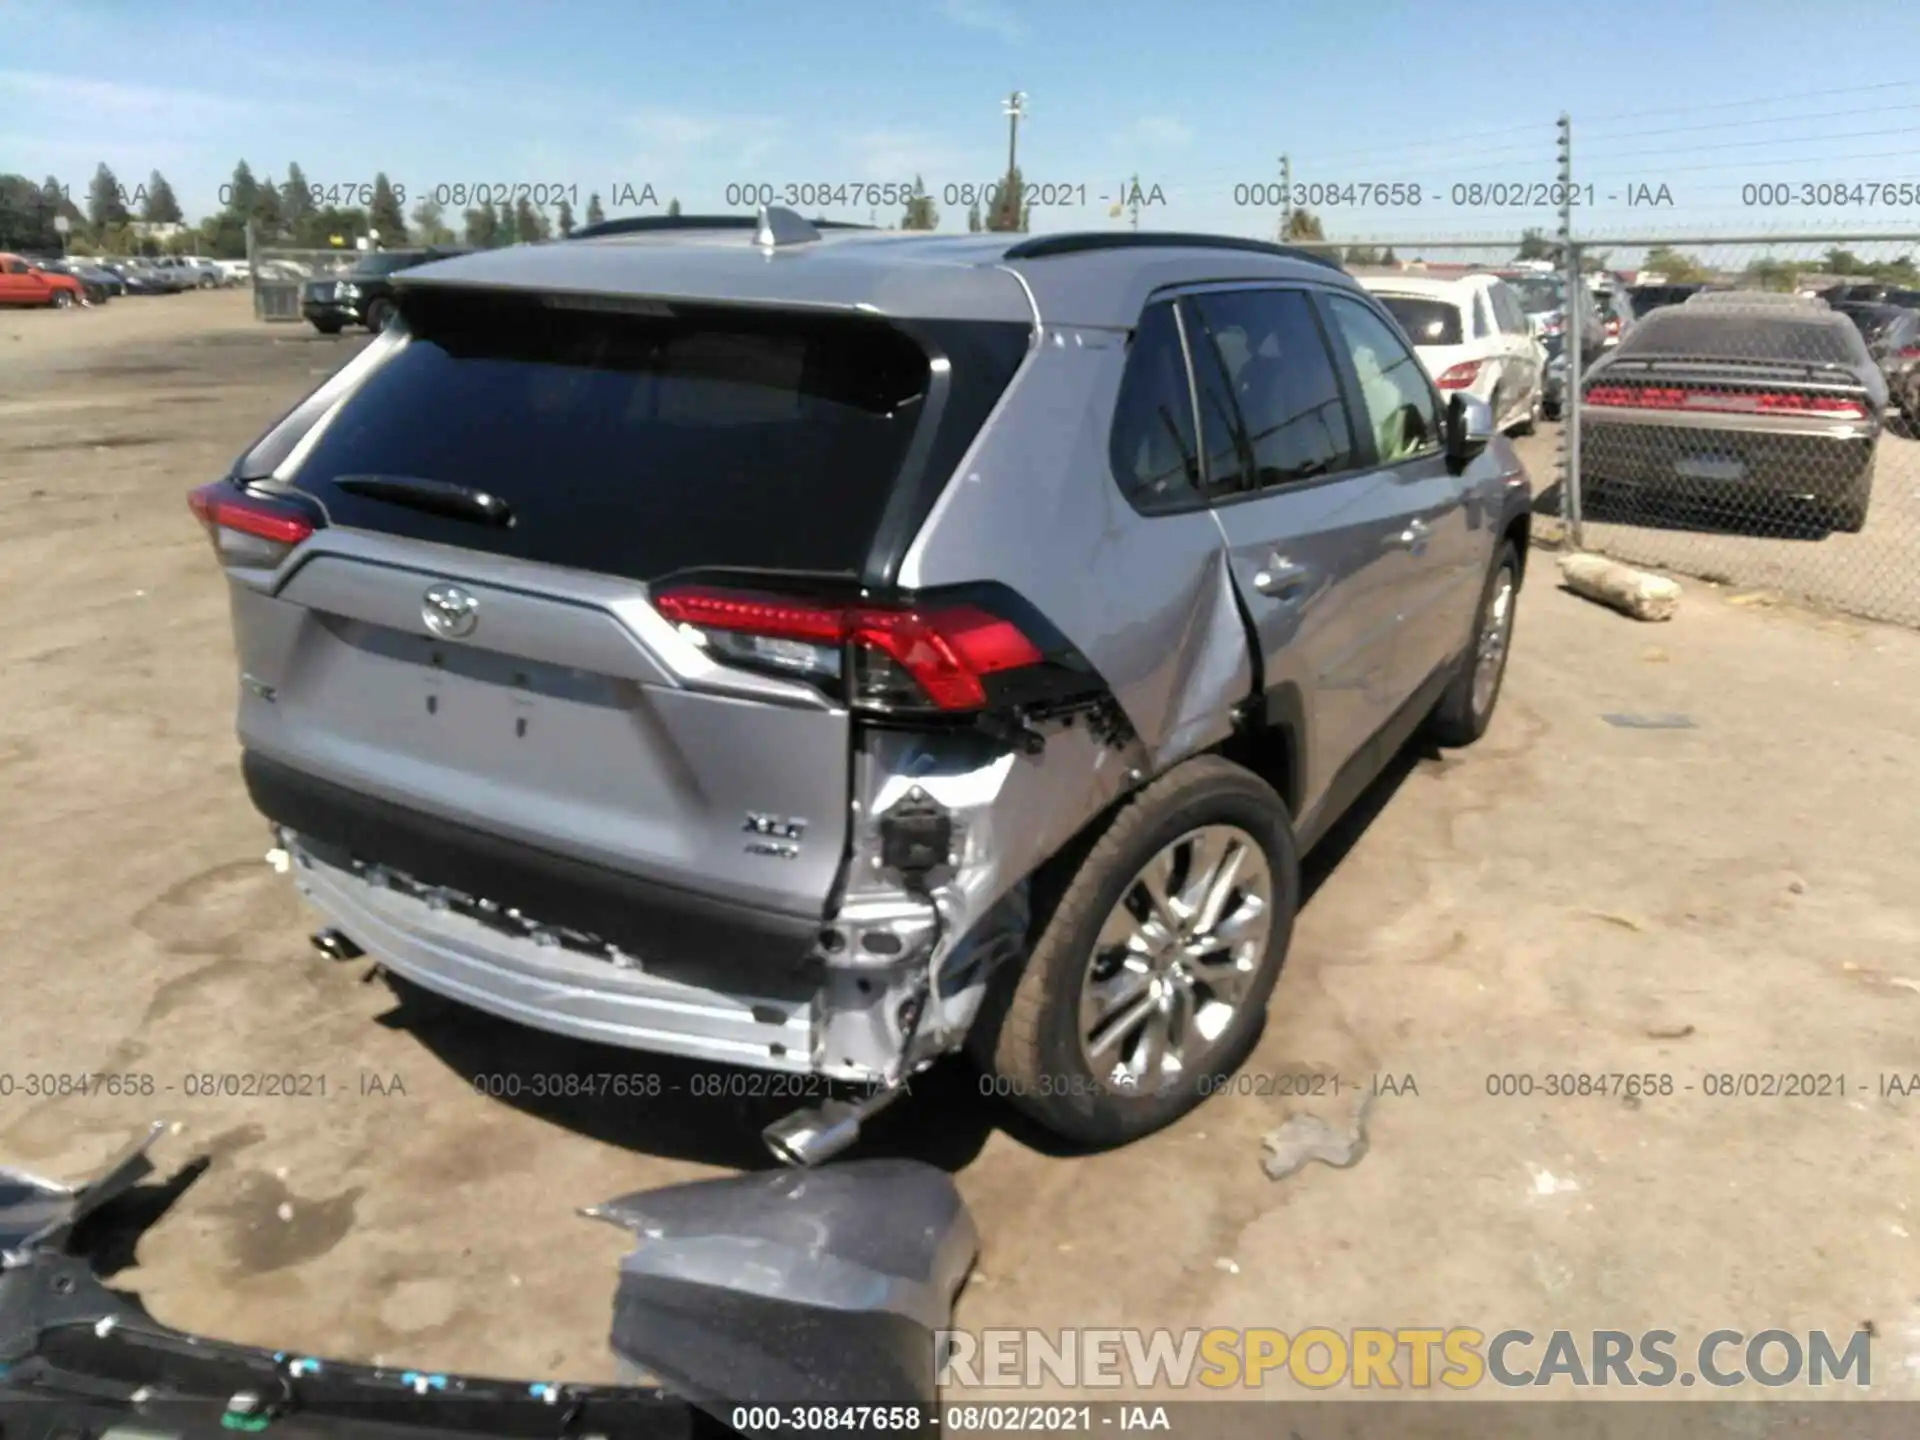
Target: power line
1760,120
1737,104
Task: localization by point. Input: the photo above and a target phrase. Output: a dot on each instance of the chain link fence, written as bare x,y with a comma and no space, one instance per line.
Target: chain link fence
1743,409
1753,421
279,273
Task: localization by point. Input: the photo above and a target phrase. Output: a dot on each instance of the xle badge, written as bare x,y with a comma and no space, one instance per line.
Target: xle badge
774,836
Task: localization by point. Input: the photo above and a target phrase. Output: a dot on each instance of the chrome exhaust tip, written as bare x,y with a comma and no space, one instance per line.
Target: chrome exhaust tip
819,1132
335,946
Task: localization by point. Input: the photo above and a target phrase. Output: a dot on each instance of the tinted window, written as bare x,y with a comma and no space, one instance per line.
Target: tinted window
1267,373
1153,450
1537,296
1506,309
1482,318
1401,407
1731,334
1427,322
636,446
386,263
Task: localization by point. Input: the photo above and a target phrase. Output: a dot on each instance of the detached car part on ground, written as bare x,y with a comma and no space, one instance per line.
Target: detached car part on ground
1755,402
821,651
783,1289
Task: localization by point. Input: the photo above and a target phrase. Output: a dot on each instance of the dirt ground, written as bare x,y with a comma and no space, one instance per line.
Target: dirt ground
1569,896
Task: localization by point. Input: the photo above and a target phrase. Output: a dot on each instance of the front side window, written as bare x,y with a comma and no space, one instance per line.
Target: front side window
1152,449
1401,409
1264,368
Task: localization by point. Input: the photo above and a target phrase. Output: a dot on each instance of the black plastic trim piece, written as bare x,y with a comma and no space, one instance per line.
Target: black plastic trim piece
1047,247
665,926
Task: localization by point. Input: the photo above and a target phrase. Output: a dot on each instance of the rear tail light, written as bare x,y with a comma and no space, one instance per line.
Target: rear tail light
1613,326
247,529
1909,352
877,657
1459,377
1733,402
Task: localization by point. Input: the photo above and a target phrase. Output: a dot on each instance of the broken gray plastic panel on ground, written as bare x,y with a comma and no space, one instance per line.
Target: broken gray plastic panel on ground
37,1212
793,1286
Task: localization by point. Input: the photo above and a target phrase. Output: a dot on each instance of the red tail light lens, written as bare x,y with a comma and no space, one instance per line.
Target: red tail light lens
1459,377
886,658
1736,402
1613,326
1909,352
245,529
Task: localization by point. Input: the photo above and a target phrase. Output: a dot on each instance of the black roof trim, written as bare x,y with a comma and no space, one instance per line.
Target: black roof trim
1045,247
648,224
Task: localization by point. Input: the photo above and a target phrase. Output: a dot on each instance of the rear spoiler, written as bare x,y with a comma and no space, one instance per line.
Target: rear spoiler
1826,373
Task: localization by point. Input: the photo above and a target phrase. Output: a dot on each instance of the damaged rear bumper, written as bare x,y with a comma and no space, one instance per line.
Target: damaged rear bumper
776,1289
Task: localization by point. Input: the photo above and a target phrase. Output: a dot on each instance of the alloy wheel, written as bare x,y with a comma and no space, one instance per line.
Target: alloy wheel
1173,961
1490,647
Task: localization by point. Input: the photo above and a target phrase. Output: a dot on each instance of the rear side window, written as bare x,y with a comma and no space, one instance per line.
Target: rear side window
636,445
1427,322
1401,407
1153,452
1270,403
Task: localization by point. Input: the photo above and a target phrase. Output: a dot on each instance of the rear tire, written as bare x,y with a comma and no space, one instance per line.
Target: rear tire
327,327
1466,708
379,314
1055,1049
62,300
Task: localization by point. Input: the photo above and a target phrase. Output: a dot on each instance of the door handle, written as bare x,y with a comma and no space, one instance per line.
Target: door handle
1414,537
1281,580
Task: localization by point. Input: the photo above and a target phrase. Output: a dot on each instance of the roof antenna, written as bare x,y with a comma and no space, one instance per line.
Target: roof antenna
781,226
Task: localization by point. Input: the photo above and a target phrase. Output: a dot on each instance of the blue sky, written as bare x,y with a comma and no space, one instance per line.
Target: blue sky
1703,97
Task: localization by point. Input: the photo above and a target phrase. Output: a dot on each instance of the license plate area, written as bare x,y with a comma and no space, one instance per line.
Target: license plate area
1714,468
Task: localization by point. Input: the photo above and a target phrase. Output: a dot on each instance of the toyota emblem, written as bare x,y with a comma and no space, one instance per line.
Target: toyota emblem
450,612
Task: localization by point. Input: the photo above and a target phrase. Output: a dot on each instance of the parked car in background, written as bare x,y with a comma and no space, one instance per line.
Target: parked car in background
100,285
1648,298
1892,333
1754,400
630,652
234,272
1474,338
1543,296
1872,294
1617,312
363,294
23,282
140,278
189,273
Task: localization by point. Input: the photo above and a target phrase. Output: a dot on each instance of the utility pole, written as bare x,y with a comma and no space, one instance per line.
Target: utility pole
1015,109
1133,199
1286,197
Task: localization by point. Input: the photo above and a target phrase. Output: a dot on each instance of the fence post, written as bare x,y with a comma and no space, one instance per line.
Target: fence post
1571,331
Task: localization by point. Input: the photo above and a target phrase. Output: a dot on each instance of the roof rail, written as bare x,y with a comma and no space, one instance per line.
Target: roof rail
647,224
1043,247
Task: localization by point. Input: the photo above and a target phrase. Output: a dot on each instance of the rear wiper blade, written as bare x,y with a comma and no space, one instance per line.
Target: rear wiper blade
437,497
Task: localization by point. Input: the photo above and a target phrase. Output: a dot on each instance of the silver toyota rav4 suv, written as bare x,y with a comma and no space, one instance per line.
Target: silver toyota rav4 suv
821,650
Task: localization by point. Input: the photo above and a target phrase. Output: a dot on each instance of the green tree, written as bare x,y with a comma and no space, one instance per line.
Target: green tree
104,206
974,226
1680,268
920,212
1534,245
265,212
1387,257
297,208
160,206
1363,255
242,191
673,206
1768,273
563,217
1303,225
430,223
26,215
1005,214
385,213
529,225
595,213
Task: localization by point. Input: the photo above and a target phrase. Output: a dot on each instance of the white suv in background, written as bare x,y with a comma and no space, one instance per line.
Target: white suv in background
1473,336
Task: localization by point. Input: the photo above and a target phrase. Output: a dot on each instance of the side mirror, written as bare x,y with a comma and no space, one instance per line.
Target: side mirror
1469,428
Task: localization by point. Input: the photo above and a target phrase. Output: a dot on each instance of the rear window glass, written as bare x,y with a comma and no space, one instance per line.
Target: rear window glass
636,445
1731,334
1538,296
1427,322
